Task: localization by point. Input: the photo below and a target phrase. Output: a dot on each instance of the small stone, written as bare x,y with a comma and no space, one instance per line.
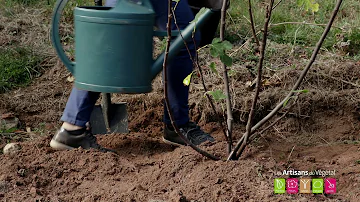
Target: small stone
11,148
3,186
33,191
219,181
21,172
8,122
341,112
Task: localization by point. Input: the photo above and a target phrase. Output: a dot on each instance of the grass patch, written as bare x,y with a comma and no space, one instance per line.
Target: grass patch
287,27
10,3
17,67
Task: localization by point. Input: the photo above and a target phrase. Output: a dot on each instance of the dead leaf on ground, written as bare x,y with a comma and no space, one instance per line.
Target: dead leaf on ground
70,79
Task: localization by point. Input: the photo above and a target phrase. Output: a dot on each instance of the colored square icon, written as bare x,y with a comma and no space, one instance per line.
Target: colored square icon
279,185
317,186
292,186
305,185
330,186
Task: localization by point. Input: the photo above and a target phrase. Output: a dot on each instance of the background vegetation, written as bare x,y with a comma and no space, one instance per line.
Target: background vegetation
291,25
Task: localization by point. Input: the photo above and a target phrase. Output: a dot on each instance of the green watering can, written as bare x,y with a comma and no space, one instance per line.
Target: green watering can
114,46
114,54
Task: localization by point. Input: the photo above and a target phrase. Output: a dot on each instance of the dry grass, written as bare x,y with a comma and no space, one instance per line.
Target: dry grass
27,27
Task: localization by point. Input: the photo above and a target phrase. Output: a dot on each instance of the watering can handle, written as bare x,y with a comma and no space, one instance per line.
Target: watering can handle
55,37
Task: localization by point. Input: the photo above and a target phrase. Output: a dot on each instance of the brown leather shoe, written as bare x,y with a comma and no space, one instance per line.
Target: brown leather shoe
63,140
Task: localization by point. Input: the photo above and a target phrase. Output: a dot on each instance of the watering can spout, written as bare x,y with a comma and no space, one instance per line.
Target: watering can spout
178,43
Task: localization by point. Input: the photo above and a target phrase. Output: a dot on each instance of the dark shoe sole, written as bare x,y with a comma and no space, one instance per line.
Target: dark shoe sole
59,146
172,143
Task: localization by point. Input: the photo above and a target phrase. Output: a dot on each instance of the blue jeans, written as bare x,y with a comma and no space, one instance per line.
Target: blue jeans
81,103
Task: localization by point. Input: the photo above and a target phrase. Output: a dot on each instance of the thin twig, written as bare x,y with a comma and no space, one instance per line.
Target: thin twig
185,43
301,23
276,4
337,79
277,120
168,26
288,159
219,118
258,83
293,114
301,78
226,81
253,25
268,127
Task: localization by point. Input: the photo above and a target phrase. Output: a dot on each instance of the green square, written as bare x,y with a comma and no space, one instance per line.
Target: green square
279,185
317,186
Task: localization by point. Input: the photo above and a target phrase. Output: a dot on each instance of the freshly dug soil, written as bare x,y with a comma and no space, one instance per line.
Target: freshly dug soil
146,169
321,131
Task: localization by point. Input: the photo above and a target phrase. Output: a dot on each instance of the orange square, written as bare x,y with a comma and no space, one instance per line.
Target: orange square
305,185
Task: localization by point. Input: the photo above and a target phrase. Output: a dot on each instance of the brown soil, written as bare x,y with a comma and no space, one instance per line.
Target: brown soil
146,169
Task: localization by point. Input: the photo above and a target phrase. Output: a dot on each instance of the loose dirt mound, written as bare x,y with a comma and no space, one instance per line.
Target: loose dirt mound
148,170
320,132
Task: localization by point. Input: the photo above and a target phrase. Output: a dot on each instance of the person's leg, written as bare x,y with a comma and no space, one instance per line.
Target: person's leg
180,67
73,133
79,107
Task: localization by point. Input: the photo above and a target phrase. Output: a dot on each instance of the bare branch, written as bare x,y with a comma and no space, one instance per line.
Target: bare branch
253,25
258,82
273,123
300,79
219,118
276,4
301,23
226,80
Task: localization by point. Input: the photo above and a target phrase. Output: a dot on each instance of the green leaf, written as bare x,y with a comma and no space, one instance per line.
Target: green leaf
187,80
216,40
217,95
315,7
213,68
226,59
286,101
214,52
308,5
301,91
218,48
227,45
201,11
